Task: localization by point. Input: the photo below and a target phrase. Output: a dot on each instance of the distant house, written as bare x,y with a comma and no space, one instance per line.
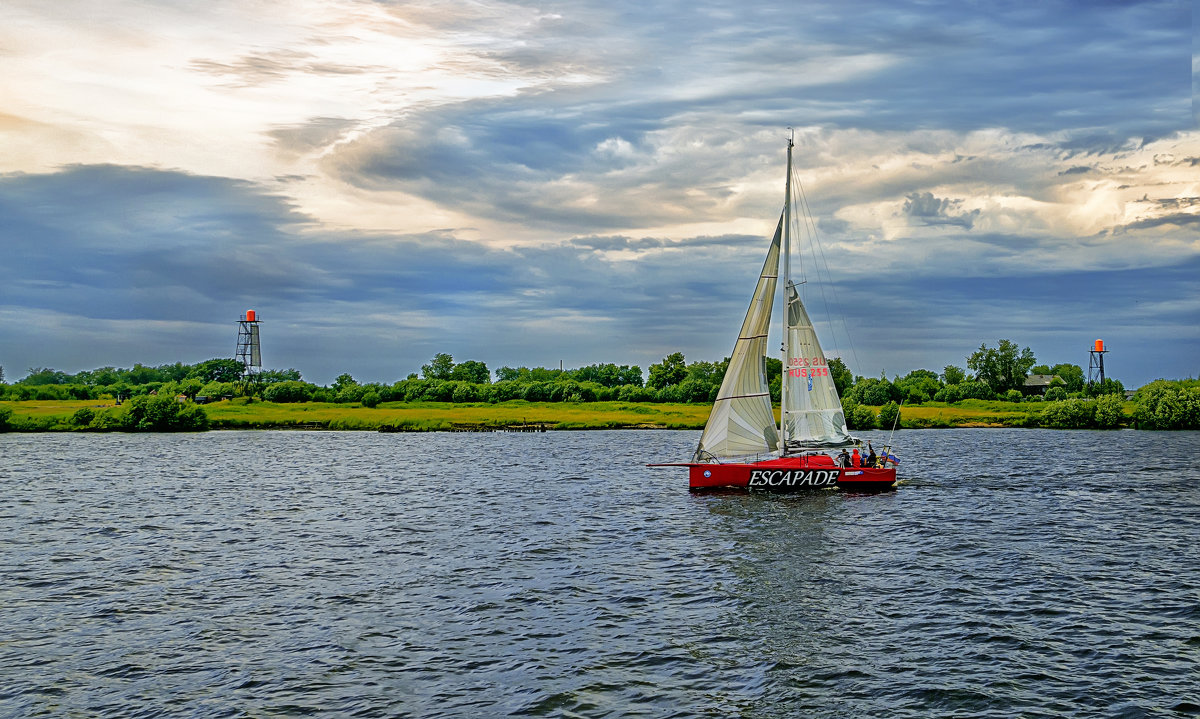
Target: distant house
1039,383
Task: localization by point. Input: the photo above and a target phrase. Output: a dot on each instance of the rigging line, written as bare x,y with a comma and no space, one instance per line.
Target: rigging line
818,252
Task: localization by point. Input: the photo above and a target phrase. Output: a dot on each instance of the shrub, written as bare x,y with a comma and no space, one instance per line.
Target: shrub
1013,395
350,393
1167,405
536,392
1056,394
948,394
1109,411
463,392
1069,414
289,391
670,393
889,415
83,416
976,390
563,390
634,393
857,416
370,399
109,420
164,413
5,418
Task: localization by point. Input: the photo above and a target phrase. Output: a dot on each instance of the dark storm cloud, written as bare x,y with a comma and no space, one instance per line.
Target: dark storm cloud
173,258
584,158
505,160
930,210
104,244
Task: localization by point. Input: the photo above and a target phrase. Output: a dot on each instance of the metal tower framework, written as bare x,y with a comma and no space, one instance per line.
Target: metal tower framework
249,350
1096,364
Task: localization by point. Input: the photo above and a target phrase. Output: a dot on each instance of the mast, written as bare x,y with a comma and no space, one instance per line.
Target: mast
787,278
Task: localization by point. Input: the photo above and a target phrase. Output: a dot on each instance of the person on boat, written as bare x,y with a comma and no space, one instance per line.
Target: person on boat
844,458
854,458
871,458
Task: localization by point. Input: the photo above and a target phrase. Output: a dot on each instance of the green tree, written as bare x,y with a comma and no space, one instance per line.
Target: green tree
343,382
949,394
271,376
45,375
470,371
843,378
671,371
1108,386
1071,375
872,391
707,373
953,375
190,387
508,374
440,367
1002,368
218,369
608,375
140,374
918,386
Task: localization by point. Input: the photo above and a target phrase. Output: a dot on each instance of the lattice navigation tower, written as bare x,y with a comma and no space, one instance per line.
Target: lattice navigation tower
249,350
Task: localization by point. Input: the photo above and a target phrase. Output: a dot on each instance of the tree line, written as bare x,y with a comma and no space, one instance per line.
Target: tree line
991,373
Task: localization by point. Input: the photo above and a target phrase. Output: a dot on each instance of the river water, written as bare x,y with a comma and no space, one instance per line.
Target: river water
274,574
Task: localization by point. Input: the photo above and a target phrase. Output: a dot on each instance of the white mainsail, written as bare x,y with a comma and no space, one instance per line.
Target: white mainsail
742,422
812,412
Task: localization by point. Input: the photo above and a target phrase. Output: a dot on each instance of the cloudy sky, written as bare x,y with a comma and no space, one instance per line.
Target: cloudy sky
524,183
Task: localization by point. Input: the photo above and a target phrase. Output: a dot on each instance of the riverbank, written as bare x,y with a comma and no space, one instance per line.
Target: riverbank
516,415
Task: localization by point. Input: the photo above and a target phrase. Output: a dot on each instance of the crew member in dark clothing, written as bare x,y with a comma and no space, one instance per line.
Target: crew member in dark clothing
871,458
844,458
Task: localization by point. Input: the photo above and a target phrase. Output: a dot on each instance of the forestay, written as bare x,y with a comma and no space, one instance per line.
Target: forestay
742,422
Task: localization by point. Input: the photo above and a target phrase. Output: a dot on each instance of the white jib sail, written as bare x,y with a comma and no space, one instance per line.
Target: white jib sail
741,422
813,413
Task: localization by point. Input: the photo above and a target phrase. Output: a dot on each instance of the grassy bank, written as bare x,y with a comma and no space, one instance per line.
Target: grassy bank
56,415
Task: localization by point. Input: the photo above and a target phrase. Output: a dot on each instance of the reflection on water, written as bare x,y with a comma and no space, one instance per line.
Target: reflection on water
1014,572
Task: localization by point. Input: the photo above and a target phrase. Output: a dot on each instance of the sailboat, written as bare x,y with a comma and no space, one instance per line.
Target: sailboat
741,446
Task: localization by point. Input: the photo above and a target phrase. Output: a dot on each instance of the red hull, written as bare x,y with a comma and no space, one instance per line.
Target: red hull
791,474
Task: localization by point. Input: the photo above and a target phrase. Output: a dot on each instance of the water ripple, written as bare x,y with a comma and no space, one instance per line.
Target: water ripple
1015,572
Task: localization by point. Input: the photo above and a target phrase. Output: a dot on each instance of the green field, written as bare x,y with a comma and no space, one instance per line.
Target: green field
401,416
443,416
